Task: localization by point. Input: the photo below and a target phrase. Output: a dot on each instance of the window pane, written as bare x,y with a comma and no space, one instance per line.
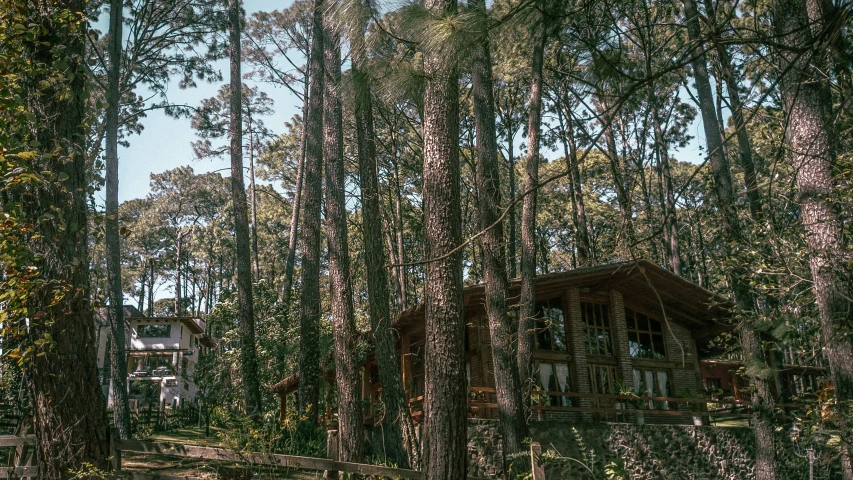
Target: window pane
543,335
154,331
563,383
545,372
660,350
642,322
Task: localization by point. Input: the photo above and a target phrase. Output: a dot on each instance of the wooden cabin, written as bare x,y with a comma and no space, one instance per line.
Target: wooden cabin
615,343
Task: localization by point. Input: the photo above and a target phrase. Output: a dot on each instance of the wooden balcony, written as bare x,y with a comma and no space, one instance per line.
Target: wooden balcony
549,405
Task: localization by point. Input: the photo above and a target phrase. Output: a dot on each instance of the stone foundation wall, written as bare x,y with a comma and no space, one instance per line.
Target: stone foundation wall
643,452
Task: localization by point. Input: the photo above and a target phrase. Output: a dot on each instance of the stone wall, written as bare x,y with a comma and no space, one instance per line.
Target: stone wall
643,452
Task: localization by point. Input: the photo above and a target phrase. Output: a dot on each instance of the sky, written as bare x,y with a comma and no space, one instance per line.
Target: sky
165,142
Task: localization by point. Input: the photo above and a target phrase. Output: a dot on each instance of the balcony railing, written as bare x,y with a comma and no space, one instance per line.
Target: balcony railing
482,403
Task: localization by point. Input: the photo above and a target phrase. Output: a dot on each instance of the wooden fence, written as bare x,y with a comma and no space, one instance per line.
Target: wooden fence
23,467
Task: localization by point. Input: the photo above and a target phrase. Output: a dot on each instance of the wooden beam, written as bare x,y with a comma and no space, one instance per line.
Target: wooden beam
255,458
19,472
14,441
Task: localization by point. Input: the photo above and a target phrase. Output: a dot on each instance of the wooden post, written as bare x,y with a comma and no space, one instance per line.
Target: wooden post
331,451
406,363
536,461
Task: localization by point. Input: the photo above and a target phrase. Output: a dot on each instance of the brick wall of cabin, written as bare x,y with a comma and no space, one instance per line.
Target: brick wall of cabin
685,374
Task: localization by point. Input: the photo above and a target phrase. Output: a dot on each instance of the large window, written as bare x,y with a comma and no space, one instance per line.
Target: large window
652,383
554,377
645,336
154,331
551,326
596,321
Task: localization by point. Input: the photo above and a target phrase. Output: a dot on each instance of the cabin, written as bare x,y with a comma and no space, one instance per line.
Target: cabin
792,382
161,356
618,342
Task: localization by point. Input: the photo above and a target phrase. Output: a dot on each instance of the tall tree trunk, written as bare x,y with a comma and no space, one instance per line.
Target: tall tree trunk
810,141
248,355
404,448
747,162
140,304
151,287
68,406
179,243
570,154
762,400
507,385
309,298
621,182
667,196
256,269
510,248
445,400
350,422
112,239
297,198
401,252
527,305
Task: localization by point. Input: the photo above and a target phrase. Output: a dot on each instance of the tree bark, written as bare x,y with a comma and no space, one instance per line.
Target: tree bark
810,134
178,251
248,354
297,199
527,305
253,205
747,162
570,154
68,407
762,400
667,196
404,448
309,294
510,248
445,401
507,385
112,238
350,422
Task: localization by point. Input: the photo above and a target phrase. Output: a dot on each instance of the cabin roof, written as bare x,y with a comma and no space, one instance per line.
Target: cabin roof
641,282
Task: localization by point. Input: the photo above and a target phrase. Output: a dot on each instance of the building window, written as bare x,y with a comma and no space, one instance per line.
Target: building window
645,336
596,321
652,383
554,377
150,364
551,326
154,331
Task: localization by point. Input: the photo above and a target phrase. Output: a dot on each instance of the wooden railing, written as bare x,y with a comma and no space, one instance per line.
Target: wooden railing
612,406
23,459
23,467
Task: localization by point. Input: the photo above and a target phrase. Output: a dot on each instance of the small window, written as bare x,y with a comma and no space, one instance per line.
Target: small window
554,377
171,382
551,326
652,383
154,331
596,320
645,336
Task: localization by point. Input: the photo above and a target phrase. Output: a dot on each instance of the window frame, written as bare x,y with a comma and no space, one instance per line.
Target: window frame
634,335
551,303
602,324
142,327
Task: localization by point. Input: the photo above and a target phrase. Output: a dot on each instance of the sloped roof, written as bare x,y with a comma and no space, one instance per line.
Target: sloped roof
641,281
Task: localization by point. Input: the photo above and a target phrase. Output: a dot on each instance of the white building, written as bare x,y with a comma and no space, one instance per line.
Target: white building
161,356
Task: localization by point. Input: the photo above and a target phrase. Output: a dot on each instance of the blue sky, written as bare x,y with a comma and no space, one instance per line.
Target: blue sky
165,141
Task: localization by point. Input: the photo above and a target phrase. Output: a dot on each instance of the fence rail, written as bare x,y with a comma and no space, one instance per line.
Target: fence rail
481,404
